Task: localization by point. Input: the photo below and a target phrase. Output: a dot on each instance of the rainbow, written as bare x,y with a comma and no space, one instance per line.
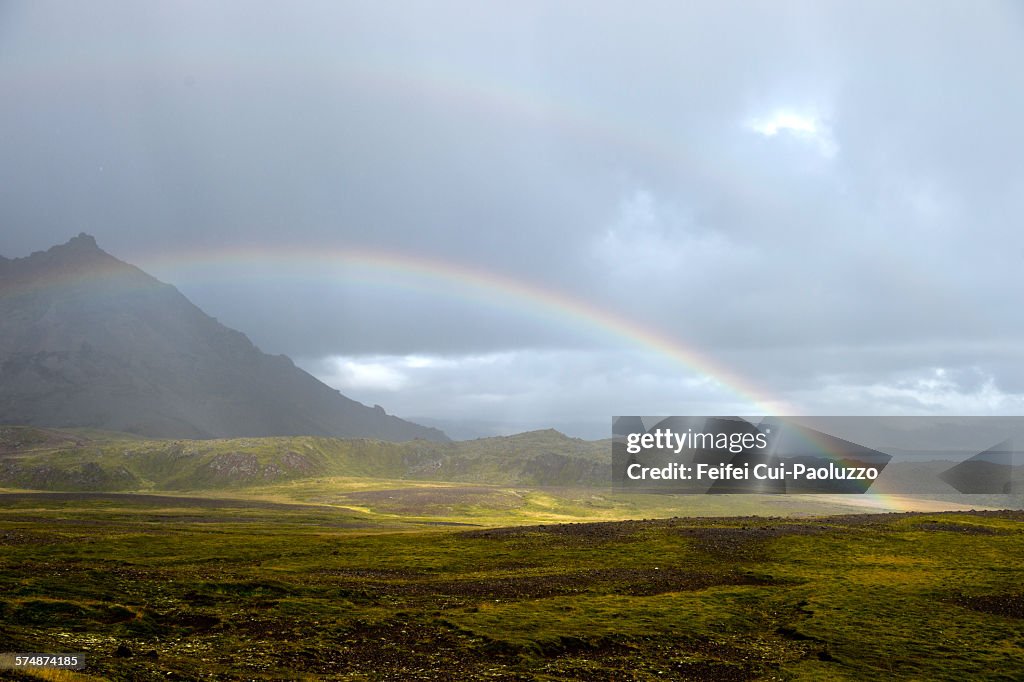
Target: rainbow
462,281
459,87
420,273
467,282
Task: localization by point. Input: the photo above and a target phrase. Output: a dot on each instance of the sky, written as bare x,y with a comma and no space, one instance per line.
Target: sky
497,217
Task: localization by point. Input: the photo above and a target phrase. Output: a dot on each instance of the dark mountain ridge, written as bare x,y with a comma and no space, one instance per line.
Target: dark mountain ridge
87,340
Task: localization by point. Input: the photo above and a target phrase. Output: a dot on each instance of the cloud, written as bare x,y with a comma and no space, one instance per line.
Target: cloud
526,387
819,197
501,393
356,375
933,391
806,127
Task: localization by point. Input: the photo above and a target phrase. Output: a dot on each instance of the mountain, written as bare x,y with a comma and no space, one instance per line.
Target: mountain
87,340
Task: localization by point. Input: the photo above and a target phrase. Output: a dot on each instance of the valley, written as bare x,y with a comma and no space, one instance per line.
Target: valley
313,558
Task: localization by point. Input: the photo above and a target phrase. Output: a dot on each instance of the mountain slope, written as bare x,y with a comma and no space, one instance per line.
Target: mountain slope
89,341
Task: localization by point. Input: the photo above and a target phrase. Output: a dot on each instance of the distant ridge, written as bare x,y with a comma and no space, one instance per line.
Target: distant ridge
84,459
87,340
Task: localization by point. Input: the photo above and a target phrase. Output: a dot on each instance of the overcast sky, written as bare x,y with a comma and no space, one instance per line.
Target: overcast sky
504,216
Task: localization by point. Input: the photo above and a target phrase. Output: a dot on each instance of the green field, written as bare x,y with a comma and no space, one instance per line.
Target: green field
504,559
188,588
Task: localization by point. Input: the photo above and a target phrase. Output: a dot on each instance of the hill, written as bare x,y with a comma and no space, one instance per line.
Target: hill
87,340
51,459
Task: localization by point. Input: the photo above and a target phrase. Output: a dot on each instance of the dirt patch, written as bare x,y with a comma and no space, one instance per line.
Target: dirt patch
745,543
961,528
191,620
372,573
1009,604
662,659
608,531
646,581
726,535
403,650
742,541
18,537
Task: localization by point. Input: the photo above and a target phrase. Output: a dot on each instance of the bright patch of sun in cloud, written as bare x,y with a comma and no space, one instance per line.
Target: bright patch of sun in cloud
785,121
807,127
421,361
356,374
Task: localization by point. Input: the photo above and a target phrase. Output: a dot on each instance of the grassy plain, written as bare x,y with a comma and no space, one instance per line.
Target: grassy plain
501,559
181,587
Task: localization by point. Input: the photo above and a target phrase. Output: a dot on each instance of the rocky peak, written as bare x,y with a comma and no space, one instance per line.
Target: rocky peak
89,340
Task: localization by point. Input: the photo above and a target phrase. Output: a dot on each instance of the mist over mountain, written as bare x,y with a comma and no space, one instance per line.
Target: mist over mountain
87,340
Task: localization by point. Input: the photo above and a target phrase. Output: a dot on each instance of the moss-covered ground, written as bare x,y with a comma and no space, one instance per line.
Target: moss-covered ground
198,588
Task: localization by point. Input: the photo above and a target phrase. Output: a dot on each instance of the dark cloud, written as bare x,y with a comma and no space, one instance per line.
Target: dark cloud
824,197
